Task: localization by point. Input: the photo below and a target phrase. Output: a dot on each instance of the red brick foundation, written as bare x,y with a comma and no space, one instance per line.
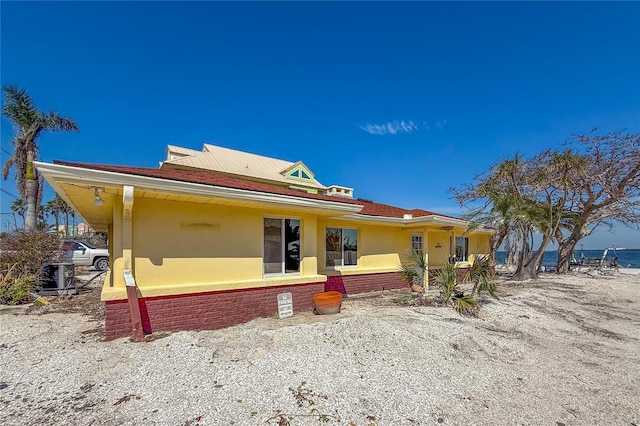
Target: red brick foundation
354,284
433,273
205,311
214,310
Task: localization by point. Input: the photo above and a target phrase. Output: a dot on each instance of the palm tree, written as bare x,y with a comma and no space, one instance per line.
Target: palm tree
29,122
18,206
56,207
42,217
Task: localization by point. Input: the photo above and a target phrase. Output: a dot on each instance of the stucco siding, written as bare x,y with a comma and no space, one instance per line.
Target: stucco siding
379,248
181,247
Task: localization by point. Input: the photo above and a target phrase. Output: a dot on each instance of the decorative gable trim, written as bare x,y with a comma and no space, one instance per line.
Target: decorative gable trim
298,171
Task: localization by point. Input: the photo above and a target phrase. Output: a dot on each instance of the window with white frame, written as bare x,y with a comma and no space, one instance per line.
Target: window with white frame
341,247
281,246
416,243
462,249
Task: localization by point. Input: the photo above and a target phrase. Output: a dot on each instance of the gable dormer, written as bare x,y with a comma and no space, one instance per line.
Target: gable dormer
299,172
244,165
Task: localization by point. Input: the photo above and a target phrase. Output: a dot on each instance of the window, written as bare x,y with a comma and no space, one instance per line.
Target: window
299,173
462,249
416,243
341,247
281,246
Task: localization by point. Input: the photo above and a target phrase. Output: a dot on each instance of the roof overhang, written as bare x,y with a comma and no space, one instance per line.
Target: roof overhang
432,221
61,176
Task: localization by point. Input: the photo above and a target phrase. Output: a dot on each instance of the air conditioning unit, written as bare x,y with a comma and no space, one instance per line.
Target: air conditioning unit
58,279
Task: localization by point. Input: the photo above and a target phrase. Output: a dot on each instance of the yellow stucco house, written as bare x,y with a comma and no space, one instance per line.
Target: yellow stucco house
210,238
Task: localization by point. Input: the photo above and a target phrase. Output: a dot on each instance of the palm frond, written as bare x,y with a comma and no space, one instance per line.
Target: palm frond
54,122
465,305
481,270
488,287
28,123
6,168
447,280
413,266
18,106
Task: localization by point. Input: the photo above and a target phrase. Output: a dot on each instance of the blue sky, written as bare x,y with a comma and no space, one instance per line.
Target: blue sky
398,100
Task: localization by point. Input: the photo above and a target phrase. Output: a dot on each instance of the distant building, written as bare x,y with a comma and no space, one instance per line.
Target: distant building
73,231
83,229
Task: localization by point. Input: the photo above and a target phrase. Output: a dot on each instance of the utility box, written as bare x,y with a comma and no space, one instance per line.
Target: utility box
58,279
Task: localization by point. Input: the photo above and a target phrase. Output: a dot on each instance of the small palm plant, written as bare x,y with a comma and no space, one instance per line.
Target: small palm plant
481,274
413,267
447,280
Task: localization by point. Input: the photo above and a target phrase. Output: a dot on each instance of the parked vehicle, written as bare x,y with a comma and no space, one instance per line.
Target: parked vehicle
82,253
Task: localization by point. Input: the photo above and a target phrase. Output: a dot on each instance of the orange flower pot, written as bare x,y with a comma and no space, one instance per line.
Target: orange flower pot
327,303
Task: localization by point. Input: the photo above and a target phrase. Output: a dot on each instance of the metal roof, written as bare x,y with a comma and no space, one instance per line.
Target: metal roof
243,164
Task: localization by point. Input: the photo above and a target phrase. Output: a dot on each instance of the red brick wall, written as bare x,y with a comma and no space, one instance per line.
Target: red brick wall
117,319
200,311
213,310
433,273
354,284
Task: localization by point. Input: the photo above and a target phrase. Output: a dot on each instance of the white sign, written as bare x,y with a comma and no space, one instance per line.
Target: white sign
285,305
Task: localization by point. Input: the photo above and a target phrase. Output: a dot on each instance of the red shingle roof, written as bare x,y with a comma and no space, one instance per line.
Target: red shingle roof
377,209
218,179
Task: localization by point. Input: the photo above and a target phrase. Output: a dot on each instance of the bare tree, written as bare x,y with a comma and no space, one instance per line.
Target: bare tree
514,191
606,190
561,195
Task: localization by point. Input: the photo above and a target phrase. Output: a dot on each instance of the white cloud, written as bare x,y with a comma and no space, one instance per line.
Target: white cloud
390,128
402,126
440,124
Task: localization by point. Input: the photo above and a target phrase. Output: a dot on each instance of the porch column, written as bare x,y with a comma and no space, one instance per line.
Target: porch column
425,247
452,241
127,255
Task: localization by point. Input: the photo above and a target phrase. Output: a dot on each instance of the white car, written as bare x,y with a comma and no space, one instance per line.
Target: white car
84,254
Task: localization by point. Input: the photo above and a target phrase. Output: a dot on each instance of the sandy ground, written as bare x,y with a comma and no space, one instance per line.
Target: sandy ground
563,350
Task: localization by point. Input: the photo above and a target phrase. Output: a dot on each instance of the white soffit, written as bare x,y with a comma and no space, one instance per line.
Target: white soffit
69,174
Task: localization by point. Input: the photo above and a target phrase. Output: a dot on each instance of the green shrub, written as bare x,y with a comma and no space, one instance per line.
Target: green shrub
14,291
22,257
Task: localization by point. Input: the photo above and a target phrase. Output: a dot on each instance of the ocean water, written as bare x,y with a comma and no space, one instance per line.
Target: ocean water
627,258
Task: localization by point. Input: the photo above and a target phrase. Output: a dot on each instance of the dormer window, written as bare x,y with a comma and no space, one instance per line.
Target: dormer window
299,172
